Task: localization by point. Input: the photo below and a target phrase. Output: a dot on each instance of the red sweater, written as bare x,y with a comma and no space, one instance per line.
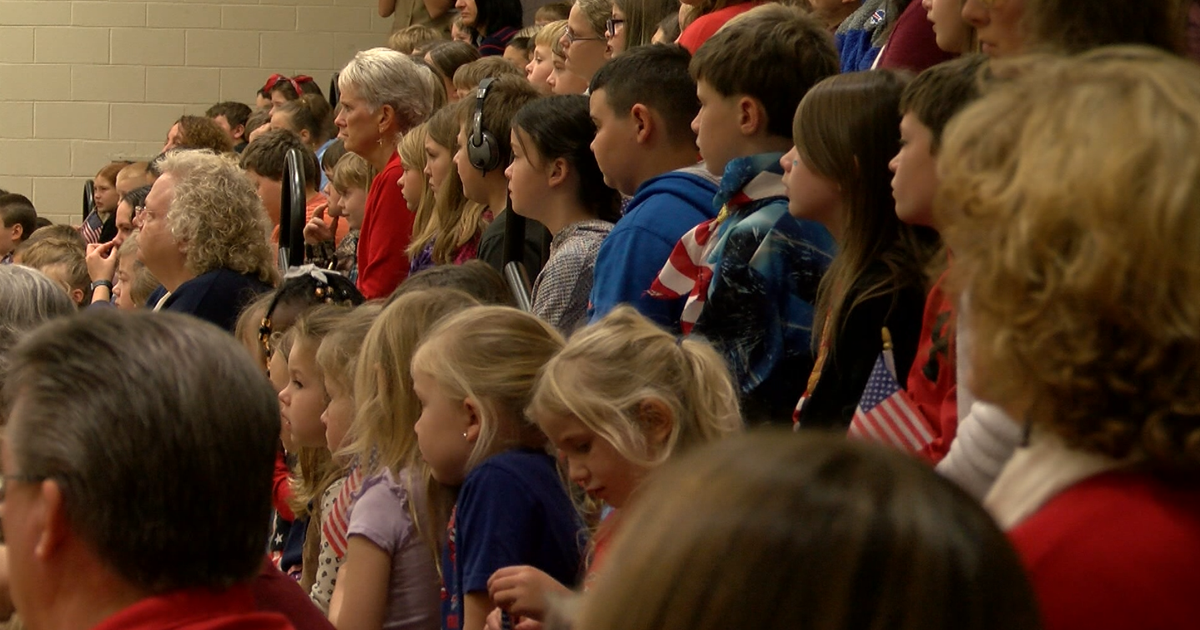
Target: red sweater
932,383
386,230
1119,550
196,609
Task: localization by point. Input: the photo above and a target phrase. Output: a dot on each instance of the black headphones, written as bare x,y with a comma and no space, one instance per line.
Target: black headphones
482,149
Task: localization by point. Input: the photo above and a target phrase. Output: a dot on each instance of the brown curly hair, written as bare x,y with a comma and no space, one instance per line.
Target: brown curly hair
202,133
218,214
1069,198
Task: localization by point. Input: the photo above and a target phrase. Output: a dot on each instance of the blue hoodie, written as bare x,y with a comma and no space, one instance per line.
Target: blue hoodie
662,210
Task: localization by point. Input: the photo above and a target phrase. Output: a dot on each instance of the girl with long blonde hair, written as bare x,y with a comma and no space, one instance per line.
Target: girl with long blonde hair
617,402
474,375
460,222
389,576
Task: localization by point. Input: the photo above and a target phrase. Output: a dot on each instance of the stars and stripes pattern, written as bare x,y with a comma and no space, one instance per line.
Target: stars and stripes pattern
336,524
90,230
884,412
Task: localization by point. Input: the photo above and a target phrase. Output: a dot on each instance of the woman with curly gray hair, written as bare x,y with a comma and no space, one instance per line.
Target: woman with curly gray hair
204,236
383,94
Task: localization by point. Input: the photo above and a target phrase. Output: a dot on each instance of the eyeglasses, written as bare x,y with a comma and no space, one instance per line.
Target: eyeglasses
18,477
571,37
610,27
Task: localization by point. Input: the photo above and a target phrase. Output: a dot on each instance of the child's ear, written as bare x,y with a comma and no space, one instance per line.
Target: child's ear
77,296
657,420
18,232
559,170
752,116
239,132
474,423
305,136
643,120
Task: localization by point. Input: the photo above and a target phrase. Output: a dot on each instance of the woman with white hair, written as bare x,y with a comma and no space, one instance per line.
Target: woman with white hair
204,236
383,94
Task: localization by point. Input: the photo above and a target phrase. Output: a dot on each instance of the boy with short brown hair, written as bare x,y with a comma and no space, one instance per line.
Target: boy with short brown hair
751,274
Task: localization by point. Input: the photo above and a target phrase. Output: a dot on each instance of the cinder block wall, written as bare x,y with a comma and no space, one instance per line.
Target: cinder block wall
85,82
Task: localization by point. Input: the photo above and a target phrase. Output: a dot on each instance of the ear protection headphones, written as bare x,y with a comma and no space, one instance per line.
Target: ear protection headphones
482,149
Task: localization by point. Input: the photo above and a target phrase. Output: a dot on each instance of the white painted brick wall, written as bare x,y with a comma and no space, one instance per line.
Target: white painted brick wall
83,82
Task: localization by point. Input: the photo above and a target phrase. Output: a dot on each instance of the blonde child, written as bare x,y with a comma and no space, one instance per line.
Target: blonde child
418,194
837,175
474,375
391,538
459,32
619,400
134,283
408,39
541,63
351,179
301,404
460,222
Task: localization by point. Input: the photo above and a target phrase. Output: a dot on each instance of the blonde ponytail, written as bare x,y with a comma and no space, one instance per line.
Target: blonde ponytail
608,371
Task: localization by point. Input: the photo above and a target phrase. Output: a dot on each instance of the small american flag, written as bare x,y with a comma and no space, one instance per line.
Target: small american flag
884,412
90,230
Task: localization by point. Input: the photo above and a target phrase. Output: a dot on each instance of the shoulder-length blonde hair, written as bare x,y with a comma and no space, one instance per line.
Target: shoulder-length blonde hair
609,370
217,216
458,219
1070,199
414,158
491,355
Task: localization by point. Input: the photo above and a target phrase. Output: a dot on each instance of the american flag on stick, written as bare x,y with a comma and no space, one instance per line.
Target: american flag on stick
884,413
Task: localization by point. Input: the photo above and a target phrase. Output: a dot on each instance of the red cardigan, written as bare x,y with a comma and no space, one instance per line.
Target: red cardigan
386,230
1118,550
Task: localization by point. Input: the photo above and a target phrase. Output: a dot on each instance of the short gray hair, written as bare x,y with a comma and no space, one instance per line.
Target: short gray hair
28,298
383,76
161,433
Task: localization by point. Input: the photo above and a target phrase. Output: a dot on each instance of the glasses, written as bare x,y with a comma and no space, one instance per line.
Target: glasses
20,478
610,27
571,37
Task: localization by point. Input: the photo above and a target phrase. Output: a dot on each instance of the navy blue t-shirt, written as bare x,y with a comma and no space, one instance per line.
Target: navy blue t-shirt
512,510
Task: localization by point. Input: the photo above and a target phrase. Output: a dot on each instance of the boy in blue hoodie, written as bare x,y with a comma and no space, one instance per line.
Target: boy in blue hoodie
643,103
751,274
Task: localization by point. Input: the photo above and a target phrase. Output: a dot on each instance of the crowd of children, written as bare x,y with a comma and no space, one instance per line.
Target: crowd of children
963,230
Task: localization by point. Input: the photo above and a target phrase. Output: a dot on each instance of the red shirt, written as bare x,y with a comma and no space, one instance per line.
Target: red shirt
932,384
196,609
705,26
1118,550
386,230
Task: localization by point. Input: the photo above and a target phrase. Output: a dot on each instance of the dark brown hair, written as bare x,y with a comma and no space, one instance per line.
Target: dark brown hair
658,78
940,92
773,54
267,156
